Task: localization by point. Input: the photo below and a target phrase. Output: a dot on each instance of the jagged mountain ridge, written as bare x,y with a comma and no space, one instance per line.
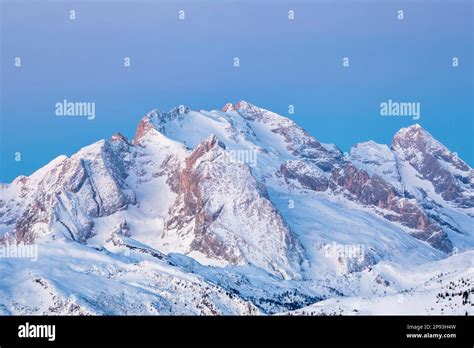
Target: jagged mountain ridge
178,187
242,124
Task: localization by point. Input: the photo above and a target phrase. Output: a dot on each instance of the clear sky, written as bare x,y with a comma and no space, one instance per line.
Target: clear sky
190,62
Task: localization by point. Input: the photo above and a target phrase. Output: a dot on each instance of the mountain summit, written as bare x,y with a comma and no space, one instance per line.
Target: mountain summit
237,201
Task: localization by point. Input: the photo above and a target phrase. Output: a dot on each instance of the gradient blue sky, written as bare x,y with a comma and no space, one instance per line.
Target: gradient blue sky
191,62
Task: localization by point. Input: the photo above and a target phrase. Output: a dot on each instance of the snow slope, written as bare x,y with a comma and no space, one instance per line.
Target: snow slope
240,211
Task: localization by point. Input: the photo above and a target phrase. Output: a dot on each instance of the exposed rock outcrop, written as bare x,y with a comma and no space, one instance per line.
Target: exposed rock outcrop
220,206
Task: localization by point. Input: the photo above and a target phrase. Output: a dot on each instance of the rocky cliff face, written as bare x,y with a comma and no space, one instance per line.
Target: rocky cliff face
451,177
377,192
359,186
296,140
426,173
71,192
223,207
306,175
220,205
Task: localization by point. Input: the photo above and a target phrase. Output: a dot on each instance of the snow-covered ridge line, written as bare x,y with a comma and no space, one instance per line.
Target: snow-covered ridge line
224,192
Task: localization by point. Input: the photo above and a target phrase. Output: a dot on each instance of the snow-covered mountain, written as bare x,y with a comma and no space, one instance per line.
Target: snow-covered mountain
239,211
